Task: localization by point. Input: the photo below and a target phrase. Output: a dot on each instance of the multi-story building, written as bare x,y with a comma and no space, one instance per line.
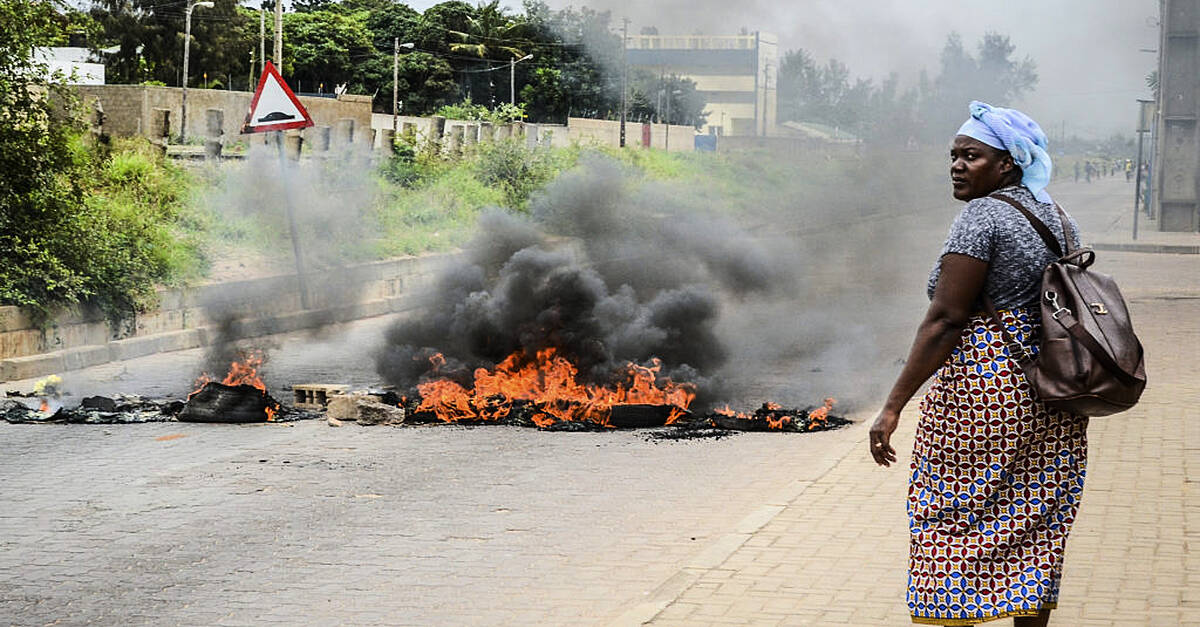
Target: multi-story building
736,73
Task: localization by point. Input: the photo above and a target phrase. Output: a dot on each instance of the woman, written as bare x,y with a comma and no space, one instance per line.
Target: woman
995,475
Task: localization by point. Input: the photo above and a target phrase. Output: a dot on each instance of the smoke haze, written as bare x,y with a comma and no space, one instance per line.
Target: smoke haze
1087,52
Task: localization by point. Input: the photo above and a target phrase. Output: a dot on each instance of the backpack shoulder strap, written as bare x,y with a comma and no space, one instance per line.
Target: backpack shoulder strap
1038,225
1066,221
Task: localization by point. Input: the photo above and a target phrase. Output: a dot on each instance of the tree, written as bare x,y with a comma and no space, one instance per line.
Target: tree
992,76
655,97
809,92
576,66
328,47
491,33
149,34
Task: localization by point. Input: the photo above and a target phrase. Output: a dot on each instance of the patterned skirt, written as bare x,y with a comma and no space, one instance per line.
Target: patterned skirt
995,485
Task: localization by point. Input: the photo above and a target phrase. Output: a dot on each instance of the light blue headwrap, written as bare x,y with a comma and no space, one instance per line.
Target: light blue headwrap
1011,130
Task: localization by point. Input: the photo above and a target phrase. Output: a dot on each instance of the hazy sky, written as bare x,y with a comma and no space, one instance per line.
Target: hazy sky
1087,51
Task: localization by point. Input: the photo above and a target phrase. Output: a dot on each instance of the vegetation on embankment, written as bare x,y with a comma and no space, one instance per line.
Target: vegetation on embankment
146,221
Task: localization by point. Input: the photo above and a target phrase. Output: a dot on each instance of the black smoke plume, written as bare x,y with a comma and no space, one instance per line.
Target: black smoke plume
607,271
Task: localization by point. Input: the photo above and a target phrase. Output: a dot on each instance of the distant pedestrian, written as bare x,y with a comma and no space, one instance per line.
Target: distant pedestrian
996,475
1088,169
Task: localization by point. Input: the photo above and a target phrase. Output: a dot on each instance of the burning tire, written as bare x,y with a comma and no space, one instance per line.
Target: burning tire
238,404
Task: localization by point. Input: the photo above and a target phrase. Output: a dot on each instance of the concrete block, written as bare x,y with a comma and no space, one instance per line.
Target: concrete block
32,366
85,357
316,395
21,343
364,409
14,319
134,347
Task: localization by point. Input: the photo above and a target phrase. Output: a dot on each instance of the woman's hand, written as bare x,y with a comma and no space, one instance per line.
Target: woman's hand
881,436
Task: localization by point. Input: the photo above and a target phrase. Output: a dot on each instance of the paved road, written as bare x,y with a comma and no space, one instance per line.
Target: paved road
198,525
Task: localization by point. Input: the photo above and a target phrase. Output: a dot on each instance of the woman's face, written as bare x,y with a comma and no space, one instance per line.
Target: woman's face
977,169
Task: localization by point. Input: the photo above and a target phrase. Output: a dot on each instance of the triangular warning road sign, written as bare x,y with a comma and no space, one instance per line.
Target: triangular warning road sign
274,106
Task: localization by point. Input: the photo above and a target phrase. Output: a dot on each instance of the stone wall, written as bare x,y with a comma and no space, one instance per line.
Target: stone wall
576,130
81,338
129,109
608,133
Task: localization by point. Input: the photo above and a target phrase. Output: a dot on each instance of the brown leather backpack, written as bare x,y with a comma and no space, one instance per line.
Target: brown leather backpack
1090,361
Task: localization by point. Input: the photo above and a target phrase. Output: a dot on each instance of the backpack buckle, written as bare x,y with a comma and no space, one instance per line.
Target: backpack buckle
1059,310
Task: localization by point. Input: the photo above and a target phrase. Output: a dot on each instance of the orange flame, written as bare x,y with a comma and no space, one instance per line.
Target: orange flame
549,382
818,416
44,407
726,411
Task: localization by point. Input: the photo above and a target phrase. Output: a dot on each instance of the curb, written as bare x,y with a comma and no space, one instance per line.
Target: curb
19,368
1135,247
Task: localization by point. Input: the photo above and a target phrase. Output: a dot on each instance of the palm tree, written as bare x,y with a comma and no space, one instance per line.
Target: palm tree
491,31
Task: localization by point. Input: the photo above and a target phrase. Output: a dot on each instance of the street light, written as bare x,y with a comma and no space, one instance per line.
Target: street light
667,138
187,40
396,80
512,77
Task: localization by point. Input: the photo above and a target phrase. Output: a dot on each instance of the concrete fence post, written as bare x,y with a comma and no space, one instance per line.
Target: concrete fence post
437,128
160,128
292,143
387,142
487,132
322,139
470,134
343,132
214,130
98,119
457,133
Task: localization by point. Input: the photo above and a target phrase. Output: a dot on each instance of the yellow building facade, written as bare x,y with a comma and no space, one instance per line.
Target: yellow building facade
735,73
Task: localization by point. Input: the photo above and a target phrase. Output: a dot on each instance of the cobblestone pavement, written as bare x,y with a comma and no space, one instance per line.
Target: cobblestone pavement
837,553
211,525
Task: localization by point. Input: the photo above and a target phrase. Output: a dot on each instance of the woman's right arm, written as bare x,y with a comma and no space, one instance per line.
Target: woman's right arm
961,281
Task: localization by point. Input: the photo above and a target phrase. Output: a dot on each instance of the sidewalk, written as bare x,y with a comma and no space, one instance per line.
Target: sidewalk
836,552
1112,227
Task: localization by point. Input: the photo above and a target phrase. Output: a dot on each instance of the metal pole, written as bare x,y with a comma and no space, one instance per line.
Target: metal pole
1137,187
287,197
279,35
667,137
512,81
396,85
187,41
262,42
624,73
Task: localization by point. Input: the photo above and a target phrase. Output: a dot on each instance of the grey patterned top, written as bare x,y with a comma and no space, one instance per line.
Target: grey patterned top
994,231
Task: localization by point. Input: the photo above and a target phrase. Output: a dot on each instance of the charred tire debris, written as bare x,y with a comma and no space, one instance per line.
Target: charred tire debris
241,404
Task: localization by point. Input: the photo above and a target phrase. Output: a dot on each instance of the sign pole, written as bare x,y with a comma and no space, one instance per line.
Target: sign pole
291,217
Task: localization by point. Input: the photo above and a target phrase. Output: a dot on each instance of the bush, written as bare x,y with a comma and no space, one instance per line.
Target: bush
515,170
466,110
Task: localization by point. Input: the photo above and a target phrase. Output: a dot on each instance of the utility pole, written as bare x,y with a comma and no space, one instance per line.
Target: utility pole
624,74
262,41
396,85
396,82
279,35
512,77
250,76
187,41
671,91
